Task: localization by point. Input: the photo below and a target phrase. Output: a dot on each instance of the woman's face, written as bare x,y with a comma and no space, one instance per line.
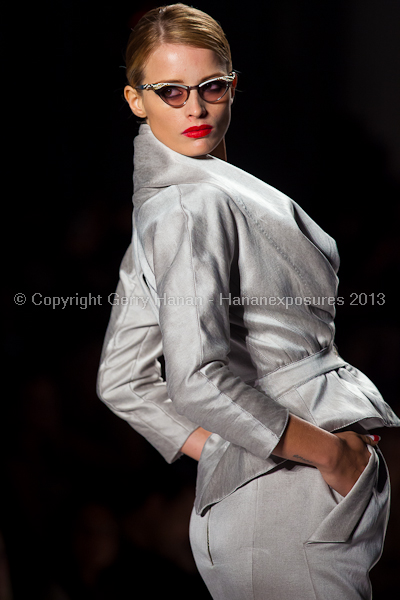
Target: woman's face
176,63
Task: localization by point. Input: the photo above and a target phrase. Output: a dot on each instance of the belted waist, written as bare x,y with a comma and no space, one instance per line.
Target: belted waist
291,376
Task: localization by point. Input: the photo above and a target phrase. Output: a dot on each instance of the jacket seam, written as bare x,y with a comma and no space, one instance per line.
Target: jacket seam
221,393
143,397
193,271
131,382
238,202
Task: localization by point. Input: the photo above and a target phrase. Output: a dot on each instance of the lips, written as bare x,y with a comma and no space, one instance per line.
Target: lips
197,132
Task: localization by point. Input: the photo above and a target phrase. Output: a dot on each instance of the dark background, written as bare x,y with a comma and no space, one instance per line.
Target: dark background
317,117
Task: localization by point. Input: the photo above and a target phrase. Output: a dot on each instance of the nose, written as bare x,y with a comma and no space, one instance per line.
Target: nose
196,106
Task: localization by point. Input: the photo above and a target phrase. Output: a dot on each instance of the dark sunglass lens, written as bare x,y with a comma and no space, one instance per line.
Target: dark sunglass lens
173,95
213,91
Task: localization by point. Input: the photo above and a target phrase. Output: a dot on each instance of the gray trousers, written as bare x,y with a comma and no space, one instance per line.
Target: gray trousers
287,535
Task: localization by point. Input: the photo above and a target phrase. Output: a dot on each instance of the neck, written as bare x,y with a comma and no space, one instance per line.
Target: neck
220,150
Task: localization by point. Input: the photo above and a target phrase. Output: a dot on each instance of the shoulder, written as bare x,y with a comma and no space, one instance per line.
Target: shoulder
183,201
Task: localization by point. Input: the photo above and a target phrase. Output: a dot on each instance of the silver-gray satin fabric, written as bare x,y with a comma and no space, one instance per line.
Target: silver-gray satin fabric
129,379
206,234
287,535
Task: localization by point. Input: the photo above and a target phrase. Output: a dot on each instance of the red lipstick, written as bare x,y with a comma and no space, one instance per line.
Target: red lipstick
198,132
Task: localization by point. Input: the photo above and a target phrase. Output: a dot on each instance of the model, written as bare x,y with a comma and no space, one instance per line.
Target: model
235,285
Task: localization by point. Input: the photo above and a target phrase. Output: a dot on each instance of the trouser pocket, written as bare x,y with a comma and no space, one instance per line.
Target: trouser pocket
349,540
339,524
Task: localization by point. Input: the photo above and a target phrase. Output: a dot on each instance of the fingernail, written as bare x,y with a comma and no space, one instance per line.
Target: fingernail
375,438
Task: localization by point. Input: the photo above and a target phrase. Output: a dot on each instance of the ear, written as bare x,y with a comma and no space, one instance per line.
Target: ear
135,101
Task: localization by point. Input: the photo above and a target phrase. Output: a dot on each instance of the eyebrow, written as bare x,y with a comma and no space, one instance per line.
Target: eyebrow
204,79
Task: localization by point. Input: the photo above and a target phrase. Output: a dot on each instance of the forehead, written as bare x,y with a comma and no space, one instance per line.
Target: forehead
173,62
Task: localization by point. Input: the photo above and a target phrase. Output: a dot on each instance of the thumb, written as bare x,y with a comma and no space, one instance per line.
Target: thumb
370,439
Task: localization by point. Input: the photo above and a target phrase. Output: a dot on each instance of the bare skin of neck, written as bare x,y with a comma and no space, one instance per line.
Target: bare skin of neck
220,150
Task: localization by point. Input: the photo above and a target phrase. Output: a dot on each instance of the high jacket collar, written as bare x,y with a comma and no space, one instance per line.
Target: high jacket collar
156,165
277,216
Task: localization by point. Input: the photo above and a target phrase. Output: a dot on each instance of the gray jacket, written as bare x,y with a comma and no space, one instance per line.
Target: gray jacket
235,284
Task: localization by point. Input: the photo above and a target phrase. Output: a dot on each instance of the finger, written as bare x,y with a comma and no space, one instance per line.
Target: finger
371,440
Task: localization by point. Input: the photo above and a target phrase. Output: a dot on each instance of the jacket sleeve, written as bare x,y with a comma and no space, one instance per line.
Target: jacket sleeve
195,243
129,380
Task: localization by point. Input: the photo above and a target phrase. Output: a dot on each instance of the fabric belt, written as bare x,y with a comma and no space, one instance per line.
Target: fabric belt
291,376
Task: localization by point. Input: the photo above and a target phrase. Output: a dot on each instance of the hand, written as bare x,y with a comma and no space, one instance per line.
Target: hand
340,457
353,457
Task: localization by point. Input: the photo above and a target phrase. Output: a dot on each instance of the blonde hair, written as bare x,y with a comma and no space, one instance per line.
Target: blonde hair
173,24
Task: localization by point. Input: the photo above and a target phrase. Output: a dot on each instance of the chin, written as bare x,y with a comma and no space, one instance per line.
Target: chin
199,147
